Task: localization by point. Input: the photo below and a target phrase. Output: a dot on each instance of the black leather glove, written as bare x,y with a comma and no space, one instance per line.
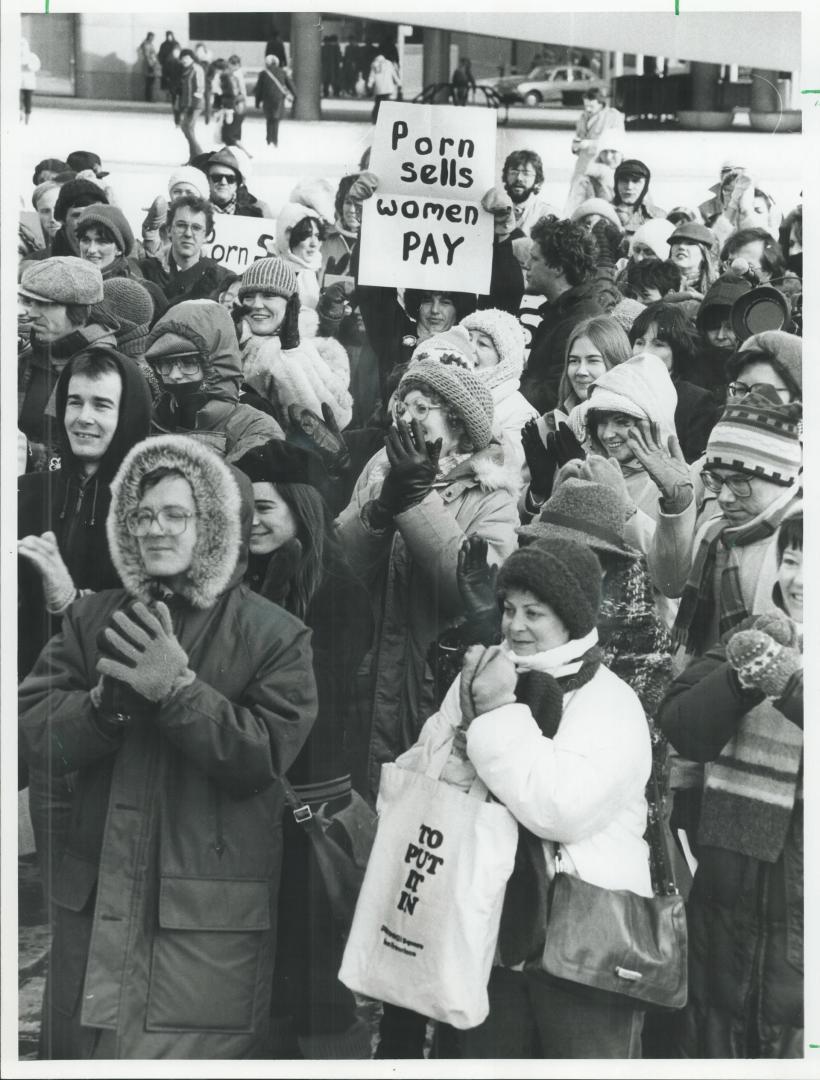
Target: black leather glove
323,437
413,465
541,463
563,446
475,578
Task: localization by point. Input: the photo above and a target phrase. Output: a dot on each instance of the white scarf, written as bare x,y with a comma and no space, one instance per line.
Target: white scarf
566,659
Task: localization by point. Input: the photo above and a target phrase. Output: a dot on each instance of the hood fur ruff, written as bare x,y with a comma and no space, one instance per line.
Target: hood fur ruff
218,502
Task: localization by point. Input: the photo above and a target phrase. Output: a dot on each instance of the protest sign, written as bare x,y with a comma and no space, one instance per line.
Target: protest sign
424,227
236,242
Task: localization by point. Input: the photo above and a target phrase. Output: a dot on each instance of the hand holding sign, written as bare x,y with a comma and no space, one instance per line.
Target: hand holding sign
499,204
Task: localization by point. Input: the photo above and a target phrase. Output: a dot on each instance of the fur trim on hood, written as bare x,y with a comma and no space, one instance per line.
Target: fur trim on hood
219,513
640,387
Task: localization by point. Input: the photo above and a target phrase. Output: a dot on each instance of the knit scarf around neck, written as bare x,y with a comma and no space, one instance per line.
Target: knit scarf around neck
230,206
697,600
543,681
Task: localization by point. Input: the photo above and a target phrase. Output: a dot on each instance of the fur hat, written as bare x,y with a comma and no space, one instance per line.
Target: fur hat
62,279
563,573
130,302
450,347
461,389
508,337
78,193
111,218
272,276
586,512
187,174
641,386
757,435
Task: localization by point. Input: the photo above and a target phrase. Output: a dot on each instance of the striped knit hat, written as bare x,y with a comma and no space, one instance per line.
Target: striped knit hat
272,276
757,435
461,389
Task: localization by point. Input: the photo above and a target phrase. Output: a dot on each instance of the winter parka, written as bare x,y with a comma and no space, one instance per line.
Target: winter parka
412,574
166,897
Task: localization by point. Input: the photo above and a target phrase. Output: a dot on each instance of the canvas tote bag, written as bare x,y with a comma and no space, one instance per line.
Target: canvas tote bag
426,925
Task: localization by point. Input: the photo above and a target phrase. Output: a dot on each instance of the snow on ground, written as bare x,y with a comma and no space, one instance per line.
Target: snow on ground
140,148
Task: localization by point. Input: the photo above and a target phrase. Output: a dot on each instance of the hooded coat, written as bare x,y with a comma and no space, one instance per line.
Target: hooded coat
213,414
167,894
306,273
75,509
411,571
643,209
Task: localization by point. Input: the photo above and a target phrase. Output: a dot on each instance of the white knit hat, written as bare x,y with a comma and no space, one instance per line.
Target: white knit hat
187,174
655,234
641,387
452,346
509,339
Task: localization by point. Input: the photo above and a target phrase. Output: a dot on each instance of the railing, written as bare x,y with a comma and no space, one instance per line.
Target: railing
444,93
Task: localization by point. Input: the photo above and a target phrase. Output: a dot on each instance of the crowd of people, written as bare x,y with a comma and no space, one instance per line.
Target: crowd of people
284,523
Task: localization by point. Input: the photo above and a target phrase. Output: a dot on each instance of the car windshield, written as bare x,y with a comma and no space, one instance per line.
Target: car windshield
538,73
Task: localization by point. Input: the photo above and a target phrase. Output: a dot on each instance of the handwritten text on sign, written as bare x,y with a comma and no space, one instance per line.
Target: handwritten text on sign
237,242
424,227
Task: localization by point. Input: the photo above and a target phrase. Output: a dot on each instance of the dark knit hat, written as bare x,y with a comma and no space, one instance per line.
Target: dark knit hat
62,279
279,462
111,218
586,512
563,573
49,164
757,435
78,160
272,276
461,389
783,351
130,301
77,193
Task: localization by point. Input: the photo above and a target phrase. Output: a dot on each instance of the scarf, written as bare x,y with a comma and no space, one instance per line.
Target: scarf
314,263
697,600
543,681
750,791
230,206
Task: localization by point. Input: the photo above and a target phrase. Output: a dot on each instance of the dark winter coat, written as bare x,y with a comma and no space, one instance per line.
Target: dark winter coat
75,510
696,414
167,895
271,90
202,281
745,916
539,383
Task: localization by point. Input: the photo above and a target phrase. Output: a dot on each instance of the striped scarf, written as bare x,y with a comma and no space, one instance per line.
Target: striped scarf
750,791
697,600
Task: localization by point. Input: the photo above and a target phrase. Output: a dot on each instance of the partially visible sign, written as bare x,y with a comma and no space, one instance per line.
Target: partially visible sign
237,242
425,227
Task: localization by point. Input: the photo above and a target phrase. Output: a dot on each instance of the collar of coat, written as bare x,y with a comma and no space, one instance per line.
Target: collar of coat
486,468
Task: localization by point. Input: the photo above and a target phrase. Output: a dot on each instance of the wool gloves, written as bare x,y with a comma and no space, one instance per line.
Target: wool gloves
154,665
498,203
762,663
665,465
488,680
58,586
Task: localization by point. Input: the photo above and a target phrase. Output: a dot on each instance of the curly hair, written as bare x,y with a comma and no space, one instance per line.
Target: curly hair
567,246
653,274
521,158
195,203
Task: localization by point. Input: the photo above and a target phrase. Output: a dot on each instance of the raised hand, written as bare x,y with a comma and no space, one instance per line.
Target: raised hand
498,203
413,466
541,463
761,662
475,577
58,585
665,465
494,682
154,661
563,445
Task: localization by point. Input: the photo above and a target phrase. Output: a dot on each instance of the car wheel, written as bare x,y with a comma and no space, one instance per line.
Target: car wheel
532,98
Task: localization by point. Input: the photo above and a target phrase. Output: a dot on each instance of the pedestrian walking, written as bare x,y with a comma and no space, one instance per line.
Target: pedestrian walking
273,87
29,66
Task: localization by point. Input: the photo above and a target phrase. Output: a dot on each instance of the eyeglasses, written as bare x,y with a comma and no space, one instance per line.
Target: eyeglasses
524,173
738,485
223,178
419,410
183,227
173,520
740,389
188,364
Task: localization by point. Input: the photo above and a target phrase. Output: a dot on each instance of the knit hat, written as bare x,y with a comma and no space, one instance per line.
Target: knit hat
600,207
626,312
130,302
757,435
78,160
272,276
761,309
655,235
783,351
187,174
563,573
453,346
722,294
111,218
586,512
461,389
508,337
641,387
62,279
49,164
280,462
77,193
694,233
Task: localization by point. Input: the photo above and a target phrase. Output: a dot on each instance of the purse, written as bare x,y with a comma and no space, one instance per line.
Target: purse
615,940
342,872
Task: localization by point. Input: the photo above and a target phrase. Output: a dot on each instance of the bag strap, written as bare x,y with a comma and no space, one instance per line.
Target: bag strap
282,89
659,829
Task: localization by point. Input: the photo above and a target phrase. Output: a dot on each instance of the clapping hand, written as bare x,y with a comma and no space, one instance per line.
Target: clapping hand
413,467
475,577
541,464
58,585
665,465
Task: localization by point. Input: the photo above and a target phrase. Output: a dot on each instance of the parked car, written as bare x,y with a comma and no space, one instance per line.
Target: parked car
563,85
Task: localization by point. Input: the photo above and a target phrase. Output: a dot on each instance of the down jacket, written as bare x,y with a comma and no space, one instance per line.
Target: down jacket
412,574
166,896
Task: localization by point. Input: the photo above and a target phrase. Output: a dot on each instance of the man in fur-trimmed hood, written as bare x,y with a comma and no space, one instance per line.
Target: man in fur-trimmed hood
179,700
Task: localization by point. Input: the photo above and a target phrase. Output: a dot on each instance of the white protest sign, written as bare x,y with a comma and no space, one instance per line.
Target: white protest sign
424,227
236,242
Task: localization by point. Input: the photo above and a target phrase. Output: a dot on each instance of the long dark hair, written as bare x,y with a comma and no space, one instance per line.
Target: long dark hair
321,551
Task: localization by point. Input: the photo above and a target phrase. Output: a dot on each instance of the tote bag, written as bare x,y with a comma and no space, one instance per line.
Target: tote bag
426,925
